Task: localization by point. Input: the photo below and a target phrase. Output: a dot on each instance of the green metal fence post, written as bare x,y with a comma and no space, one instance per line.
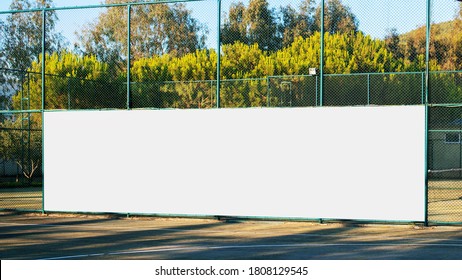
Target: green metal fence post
43,57
22,125
43,105
423,88
29,116
427,92
218,52
321,60
129,10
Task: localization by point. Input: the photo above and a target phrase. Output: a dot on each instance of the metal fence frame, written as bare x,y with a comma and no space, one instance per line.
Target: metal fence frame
320,96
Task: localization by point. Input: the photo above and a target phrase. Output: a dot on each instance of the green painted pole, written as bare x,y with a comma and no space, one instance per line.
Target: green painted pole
219,54
423,88
321,60
427,52
43,57
129,43
22,124
44,16
427,93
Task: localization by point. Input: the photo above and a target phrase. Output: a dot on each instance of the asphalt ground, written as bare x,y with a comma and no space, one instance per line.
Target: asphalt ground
36,236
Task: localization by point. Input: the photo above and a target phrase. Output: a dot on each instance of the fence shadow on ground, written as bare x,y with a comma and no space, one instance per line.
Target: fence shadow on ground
95,237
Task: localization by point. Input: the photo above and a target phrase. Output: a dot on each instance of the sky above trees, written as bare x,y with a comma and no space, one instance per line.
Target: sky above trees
375,17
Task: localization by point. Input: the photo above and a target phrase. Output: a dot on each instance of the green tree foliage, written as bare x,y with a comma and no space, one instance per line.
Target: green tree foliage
293,24
178,82
76,82
234,28
273,29
20,145
200,65
457,47
392,42
297,58
338,18
185,82
261,25
445,47
344,53
156,30
244,93
167,73
242,61
21,43
21,34
255,24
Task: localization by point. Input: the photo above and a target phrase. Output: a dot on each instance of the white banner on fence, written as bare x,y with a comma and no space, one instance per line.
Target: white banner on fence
345,163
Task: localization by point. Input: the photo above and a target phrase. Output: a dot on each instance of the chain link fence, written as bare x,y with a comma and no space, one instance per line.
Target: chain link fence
445,163
230,54
21,163
445,115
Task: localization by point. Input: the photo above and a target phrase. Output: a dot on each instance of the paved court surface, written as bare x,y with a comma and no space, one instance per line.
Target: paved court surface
37,236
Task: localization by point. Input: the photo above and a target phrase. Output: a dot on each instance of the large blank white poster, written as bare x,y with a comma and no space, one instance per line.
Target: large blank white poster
342,163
